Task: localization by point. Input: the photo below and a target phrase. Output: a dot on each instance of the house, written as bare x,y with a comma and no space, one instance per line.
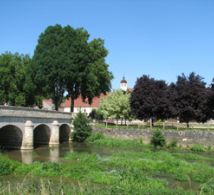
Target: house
47,104
79,104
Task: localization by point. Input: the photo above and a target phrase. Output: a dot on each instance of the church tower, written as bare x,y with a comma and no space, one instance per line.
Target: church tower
123,85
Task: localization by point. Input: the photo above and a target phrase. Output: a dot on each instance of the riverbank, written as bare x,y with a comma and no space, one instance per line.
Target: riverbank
184,138
112,166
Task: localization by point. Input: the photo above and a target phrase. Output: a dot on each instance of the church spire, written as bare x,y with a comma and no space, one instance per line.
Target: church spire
123,84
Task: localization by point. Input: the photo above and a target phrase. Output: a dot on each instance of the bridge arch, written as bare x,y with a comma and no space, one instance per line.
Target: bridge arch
11,137
64,133
41,135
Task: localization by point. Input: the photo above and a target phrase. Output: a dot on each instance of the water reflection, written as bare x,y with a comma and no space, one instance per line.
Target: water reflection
27,156
56,153
42,153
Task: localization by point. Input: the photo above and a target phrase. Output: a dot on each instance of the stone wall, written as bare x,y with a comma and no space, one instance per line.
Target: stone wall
184,138
13,111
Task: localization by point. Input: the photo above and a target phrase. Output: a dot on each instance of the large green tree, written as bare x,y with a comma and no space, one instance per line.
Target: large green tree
65,60
48,64
96,78
16,86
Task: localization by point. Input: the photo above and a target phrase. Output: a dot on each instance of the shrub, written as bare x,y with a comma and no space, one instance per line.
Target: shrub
82,128
7,166
173,144
96,136
158,139
198,148
208,188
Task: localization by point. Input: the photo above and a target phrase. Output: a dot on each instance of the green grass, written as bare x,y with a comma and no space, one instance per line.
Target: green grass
129,167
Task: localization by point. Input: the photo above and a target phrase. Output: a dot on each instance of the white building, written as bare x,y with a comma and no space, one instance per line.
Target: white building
79,104
123,85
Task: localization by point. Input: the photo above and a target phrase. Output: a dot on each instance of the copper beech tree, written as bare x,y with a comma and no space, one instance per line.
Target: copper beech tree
188,99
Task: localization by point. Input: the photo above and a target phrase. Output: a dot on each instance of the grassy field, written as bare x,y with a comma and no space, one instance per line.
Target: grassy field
113,166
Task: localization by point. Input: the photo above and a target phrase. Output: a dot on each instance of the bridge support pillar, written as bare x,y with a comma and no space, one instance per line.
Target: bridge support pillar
27,141
54,136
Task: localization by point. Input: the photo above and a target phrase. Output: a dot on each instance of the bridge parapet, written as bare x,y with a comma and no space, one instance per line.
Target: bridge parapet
13,111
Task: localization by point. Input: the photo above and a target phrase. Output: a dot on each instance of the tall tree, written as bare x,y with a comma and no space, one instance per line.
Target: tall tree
16,87
149,99
190,99
66,61
49,66
87,71
97,78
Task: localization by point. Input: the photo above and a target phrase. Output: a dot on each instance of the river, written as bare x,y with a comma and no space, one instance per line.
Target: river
44,153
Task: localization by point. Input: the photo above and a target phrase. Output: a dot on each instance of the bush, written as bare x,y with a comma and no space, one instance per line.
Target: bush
173,144
208,188
7,166
158,139
95,136
198,148
82,128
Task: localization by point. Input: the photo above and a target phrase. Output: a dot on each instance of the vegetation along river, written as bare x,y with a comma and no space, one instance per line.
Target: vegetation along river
106,166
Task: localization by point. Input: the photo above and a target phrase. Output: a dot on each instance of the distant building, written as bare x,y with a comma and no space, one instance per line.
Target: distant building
123,85
79,104
48,104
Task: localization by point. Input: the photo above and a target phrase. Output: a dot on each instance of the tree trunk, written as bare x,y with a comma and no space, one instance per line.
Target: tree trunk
153,122
56,107
164,124
72,104
177,123
56,103
188,125
151,125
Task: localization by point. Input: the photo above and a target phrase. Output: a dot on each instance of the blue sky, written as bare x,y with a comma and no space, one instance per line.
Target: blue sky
160,38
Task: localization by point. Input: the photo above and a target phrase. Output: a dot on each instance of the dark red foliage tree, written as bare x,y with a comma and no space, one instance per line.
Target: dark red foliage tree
189,98
150,99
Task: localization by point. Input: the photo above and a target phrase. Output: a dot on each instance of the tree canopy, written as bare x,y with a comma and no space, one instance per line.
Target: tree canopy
190,99
65,60
149,98
116,105
16,86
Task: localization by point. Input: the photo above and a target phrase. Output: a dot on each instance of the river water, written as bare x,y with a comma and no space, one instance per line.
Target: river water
45,153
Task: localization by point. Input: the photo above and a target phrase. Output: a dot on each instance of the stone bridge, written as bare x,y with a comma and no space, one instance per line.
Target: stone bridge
26,128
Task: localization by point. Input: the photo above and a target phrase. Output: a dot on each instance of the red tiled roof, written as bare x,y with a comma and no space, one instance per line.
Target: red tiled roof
47,102
80,103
